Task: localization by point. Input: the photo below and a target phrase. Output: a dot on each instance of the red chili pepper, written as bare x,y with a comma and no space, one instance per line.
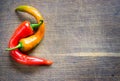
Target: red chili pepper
22,31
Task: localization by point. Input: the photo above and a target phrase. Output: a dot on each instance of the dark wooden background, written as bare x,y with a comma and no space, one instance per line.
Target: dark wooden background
82,38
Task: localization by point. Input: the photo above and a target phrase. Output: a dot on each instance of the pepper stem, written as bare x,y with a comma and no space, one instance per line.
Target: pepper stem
34,26
18,46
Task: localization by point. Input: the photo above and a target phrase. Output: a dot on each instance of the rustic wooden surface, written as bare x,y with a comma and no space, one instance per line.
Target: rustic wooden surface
82,38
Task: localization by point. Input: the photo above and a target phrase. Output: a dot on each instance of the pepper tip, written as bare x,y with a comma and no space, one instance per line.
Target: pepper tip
49,62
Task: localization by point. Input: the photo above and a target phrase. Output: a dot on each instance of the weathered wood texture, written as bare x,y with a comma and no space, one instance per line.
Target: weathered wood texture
82,38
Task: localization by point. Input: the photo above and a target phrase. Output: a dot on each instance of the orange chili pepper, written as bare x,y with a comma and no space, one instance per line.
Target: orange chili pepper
28,43
32,40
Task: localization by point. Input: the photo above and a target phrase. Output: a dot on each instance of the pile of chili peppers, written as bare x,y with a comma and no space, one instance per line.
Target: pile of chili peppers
25,38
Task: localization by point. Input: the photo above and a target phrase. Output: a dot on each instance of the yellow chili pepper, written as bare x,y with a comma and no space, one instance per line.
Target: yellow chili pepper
28,43
31,10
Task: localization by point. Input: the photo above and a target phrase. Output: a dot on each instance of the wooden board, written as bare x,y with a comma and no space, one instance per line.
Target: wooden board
82,38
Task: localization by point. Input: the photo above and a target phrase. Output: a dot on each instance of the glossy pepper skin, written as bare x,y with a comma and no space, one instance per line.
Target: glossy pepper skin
30,42
22,45
31,10
23,27
22,31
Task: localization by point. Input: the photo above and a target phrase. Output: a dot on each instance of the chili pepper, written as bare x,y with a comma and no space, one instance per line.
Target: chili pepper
21,44
25,27
18,55
32,40
31,10
28,43
23,31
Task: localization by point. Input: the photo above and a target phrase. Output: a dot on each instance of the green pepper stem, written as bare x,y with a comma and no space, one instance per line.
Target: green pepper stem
34,26
18,46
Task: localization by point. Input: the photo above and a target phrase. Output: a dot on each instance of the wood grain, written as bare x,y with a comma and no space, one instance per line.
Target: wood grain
82,38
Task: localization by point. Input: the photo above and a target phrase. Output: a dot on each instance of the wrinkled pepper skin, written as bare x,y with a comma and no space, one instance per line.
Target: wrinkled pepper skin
22,31
33,40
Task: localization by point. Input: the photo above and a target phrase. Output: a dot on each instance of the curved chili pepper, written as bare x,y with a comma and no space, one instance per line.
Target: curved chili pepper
16,54
28,43
32,40
31,10
30,26
22,31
